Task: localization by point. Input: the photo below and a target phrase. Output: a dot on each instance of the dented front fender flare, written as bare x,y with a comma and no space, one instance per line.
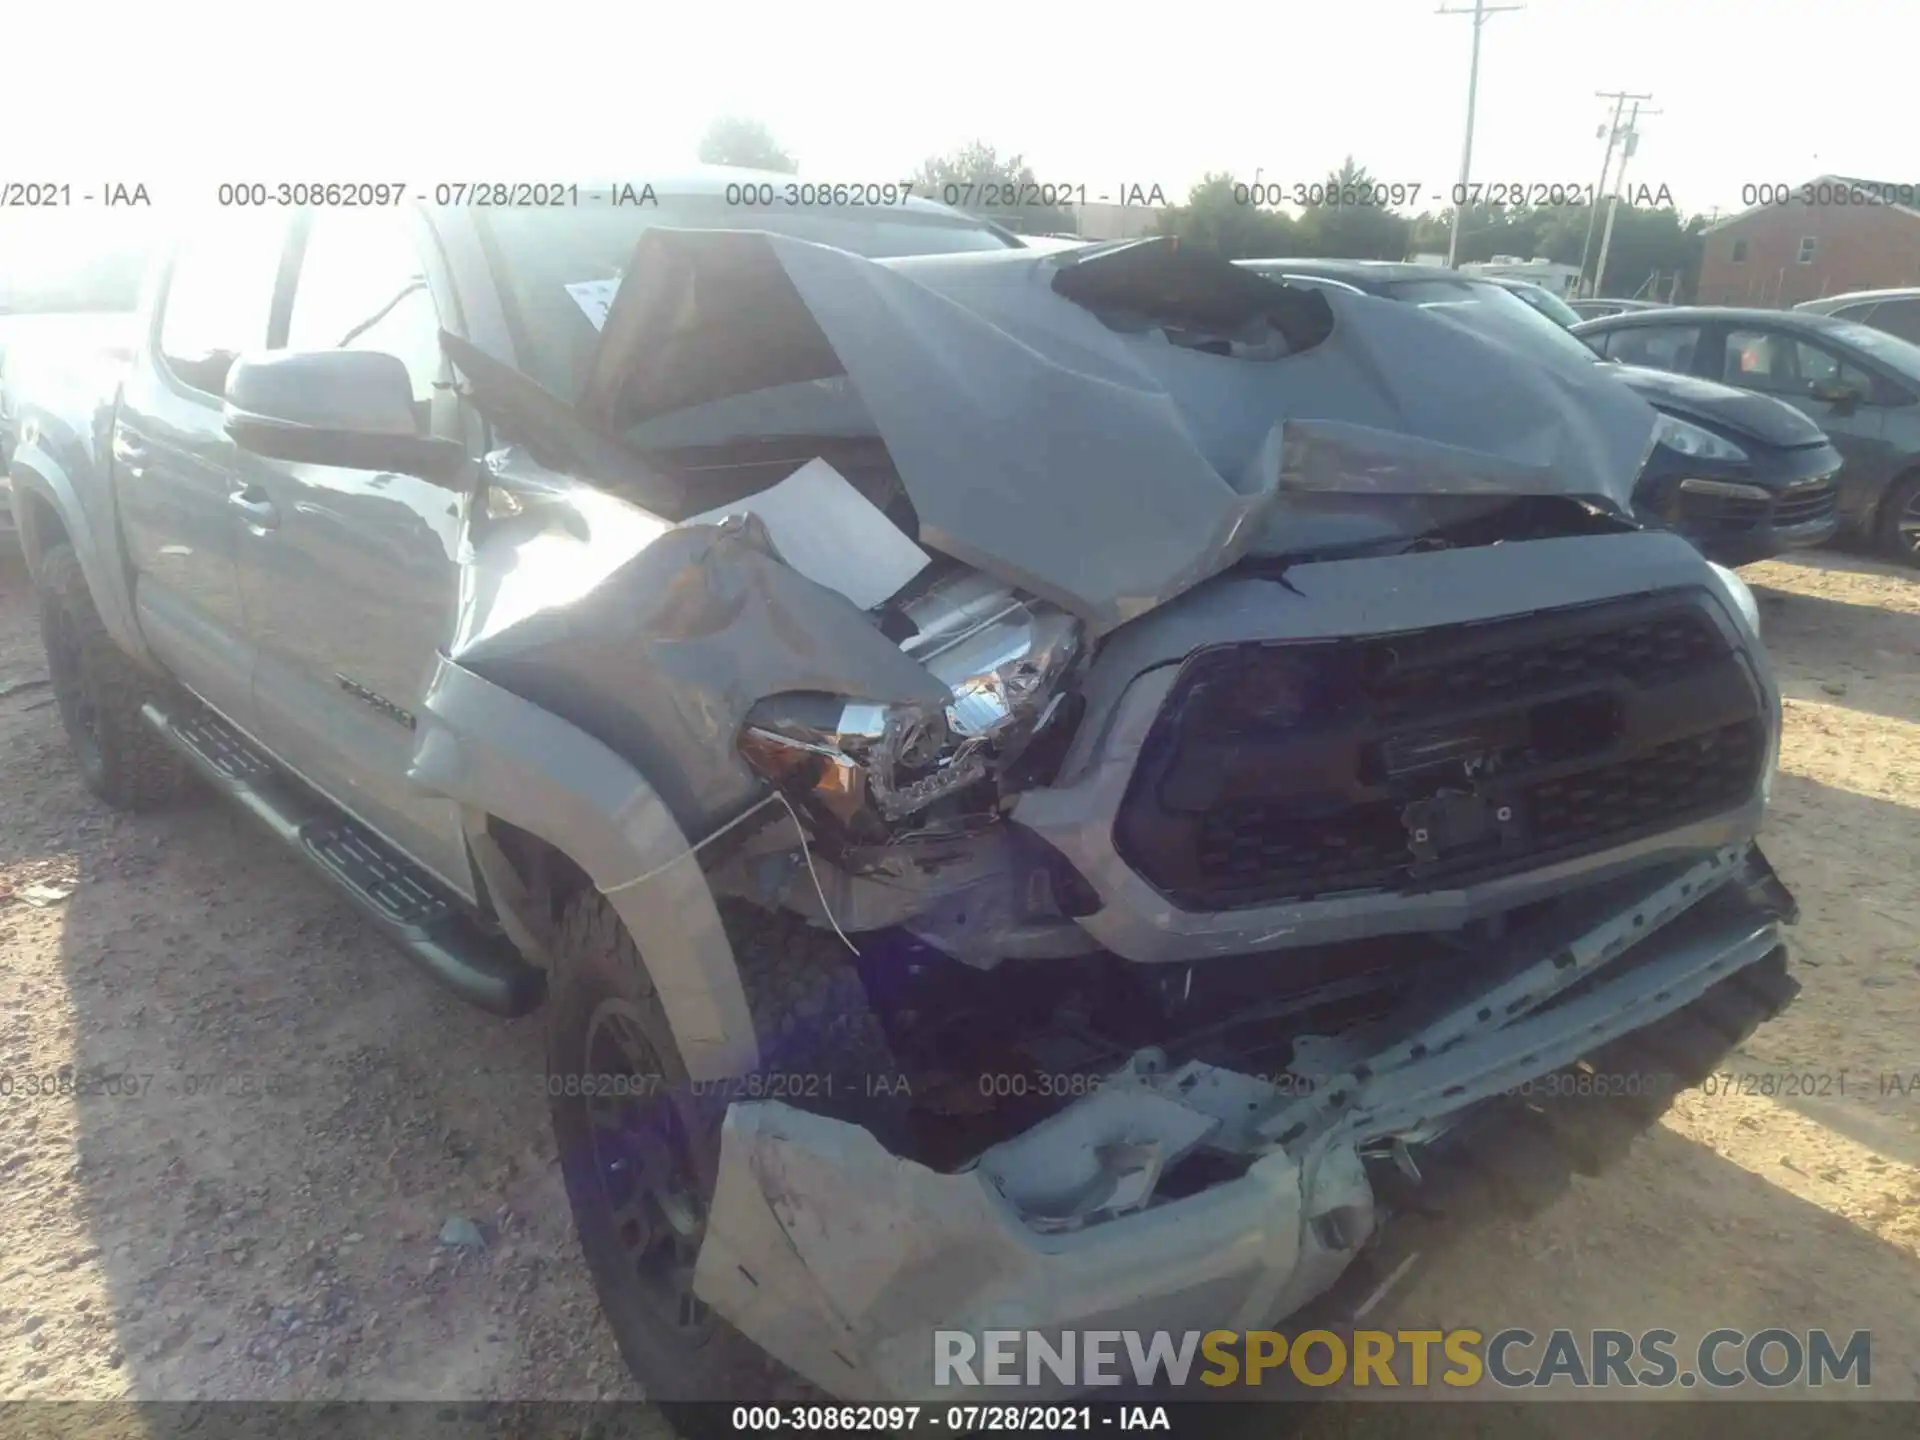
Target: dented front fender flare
495,752
38,473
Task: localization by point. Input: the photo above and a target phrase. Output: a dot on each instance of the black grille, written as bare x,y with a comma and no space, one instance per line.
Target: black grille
1289,771
1805,504
1681,777
1642,650
1802,504
1723,513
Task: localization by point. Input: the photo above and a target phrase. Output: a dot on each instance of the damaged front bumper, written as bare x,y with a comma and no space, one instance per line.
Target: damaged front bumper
843,1260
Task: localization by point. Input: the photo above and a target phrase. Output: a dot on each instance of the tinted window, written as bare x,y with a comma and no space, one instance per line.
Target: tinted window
1661,347
1901,355
543,251
1786,365
220,295
1759,360
1861,314
1897,317
362,286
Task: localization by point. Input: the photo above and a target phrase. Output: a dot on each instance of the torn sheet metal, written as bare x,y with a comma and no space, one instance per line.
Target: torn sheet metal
841,1259
1333,457
595,299
1100,452
831,533
657,639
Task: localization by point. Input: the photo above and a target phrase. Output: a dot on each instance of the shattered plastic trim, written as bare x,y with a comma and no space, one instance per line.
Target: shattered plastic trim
842,1260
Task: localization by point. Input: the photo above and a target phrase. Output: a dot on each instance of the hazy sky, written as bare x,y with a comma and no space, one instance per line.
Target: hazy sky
184,95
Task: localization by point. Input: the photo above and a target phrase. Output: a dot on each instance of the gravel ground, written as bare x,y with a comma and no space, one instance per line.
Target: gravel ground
334,1182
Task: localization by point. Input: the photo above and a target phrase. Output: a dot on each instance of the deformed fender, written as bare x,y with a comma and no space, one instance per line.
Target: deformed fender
487,748
36,471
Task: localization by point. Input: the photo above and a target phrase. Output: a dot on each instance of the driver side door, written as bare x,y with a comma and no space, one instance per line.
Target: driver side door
351,578
1789,367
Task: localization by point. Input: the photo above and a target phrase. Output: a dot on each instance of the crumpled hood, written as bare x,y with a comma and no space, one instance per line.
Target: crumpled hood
1761,417
1106,429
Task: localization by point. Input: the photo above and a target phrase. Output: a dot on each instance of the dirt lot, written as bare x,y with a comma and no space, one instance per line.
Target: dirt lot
264,1218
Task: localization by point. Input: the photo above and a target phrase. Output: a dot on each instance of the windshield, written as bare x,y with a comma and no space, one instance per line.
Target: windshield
1496,311
1891,350
540,252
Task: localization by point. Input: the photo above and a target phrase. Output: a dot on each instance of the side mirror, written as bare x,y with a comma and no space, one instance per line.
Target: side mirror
350,408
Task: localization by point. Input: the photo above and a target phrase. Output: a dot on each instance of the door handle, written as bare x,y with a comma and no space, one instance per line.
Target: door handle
261,514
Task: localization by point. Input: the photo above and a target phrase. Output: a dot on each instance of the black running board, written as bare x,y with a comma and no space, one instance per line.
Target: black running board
413,910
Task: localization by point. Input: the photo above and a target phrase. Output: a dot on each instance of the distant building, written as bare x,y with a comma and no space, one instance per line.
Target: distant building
1823,237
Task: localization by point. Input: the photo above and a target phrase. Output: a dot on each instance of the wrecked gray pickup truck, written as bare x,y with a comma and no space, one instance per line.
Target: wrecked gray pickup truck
1037,790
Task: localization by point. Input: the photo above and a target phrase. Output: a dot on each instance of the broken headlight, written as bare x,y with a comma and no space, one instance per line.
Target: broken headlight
872,770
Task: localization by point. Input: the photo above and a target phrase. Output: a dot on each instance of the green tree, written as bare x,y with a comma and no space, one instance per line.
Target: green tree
978,179
1352,224
1485,231
1218,217
734,140
1648,240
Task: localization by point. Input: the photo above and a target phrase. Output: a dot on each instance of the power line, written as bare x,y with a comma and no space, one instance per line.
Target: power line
1613,132
1479,12
1620,184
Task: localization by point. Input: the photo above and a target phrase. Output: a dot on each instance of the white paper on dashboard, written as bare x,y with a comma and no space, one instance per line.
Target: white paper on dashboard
832,534
595,299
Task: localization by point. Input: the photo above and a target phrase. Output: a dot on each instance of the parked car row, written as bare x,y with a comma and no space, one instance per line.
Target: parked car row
1858,378
1859,384
1742,476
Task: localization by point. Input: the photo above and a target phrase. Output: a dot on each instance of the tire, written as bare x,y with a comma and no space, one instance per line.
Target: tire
811,1016
1903,495
99,690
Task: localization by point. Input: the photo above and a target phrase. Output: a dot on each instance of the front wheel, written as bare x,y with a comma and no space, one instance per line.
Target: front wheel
1899,528
640,1150
100,690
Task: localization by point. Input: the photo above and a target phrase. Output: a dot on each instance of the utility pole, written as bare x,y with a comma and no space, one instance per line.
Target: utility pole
1620,184
1612,131
1479,12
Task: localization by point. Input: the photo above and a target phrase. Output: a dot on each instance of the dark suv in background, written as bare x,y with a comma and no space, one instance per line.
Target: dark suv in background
1859,384
1742,477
